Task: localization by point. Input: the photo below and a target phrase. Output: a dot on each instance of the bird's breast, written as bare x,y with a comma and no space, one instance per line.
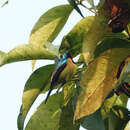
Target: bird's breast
68,71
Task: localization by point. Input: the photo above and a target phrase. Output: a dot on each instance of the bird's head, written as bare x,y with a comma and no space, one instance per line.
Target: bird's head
66,56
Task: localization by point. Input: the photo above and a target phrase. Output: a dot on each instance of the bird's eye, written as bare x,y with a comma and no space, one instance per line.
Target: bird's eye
63,56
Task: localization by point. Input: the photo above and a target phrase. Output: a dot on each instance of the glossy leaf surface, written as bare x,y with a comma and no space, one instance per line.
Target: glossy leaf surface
36,83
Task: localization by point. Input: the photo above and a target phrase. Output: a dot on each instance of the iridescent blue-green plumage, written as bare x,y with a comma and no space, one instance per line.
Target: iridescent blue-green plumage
64,70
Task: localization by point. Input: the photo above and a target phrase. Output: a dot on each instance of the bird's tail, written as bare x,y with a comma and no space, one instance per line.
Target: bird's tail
51,87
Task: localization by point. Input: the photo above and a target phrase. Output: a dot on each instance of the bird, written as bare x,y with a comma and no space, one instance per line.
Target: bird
65,68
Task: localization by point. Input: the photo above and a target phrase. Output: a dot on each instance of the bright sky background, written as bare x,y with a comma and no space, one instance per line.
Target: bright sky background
16,21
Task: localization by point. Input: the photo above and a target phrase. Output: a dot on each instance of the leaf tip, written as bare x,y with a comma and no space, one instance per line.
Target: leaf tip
33,64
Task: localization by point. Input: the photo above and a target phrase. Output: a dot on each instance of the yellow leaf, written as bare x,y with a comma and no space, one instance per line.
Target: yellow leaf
49,25
98,81
93,36
127,126
25,52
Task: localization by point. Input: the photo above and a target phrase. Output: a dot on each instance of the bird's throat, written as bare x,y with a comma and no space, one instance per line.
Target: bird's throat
69,60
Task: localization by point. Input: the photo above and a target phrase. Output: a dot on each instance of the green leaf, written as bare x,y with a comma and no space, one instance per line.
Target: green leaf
47,116
51,48
125,77
128,2
49,25
93,36
110,43
122,35
67,108
93,121
128,30
20,121
100,4
99,80
56,113
113,101
36,83
69,92
127,69
66,118
118,118
5,3
2,54
72,42
75,6
25,52
91,3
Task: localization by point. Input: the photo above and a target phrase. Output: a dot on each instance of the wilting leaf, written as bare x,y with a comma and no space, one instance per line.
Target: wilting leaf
75,6
93,36
26,52
93,121
33,87
98,80
119,12
118,118
47,116
50,24
72,42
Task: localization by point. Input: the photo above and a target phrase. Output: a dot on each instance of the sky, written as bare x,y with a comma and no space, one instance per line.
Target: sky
16,22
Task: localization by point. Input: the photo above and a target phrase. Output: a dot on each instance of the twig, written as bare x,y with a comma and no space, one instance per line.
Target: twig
80,3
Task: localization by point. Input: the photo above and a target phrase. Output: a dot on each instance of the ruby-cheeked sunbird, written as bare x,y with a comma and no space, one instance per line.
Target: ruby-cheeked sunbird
64,71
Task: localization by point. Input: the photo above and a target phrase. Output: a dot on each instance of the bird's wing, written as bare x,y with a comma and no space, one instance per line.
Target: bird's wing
57,60
56,73
54,79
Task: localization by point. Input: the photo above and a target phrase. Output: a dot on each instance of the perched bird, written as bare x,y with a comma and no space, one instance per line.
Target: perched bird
65,68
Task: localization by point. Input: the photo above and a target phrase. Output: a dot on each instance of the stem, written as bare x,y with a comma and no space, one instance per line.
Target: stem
80,3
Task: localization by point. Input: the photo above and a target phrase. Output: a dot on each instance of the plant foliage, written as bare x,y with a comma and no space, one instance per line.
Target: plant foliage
97,98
